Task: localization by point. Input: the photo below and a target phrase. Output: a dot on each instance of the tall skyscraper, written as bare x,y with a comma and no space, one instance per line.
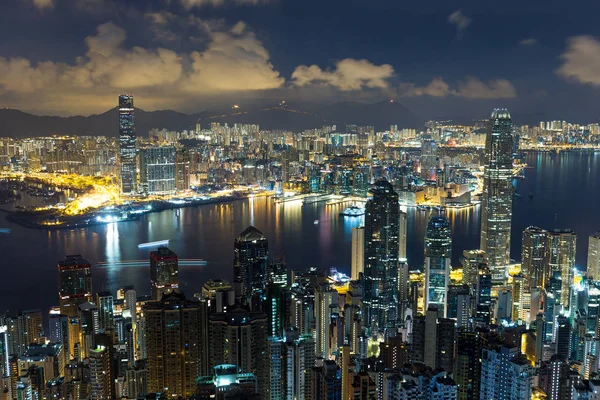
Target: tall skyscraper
593,260
325,298
402,237
505,374
472,261
100,376
497,197
250,262
438,254
357,258
382,220
562,246
157,170
127,149
174,338
74,284
533,253
164,272
292,359
105,303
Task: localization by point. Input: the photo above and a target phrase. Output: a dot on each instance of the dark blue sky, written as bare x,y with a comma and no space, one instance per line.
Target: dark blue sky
489,54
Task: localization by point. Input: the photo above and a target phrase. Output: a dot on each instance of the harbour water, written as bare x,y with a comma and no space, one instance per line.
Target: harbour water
564,189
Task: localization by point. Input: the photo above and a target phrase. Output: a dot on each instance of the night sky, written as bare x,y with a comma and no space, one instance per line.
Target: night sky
439,58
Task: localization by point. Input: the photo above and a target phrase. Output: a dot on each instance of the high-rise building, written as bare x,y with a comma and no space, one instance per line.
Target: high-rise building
157,170
402,237
562,246
505,374
325,299
533,253
292,359
127,149
240,337
593,260
497,197
459,305
438,254
100,376
382,219
174,336
105,303
472,261
429,160
164,272
250,263
467,365
357,259
74,284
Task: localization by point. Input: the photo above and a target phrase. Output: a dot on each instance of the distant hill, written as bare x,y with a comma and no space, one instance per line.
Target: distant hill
19,124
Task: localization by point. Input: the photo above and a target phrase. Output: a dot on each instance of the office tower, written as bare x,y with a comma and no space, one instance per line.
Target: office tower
292,359
74,284
182,169
438,253
467,364
483,297
127,150
327,382
276,308
239,337
446,343
472,261
88,326
533,253
100,376
402,237
519,306
164,272
357,258
382,218
459,304
105,304
497,196
554,378
251,254
325,300
561,258
430,343
505,374
58,331
174,335
404,286
593,260
157,170
563,337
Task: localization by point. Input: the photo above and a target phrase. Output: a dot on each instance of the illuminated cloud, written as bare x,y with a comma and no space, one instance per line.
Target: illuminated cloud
349,74
581,60
495,89
528,42
471,87
189,4
234,60
460,20
43,4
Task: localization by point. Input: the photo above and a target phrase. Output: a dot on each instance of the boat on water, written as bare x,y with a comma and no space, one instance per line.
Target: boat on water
353,211
316,222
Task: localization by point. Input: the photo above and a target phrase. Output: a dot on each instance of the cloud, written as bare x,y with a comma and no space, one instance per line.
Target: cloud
581,60
474,88
189,4
460,20
349,74
43,4
528,42
471,87
233,61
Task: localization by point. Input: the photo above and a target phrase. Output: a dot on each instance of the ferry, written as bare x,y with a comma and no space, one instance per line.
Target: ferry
353,211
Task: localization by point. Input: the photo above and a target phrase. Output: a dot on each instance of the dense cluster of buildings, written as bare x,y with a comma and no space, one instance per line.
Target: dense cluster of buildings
389,331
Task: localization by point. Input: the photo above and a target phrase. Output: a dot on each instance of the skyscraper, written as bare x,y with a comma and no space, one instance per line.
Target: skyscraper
100,376
74,284
250,262
402,237
561,258
382,219
505,374
533,253
438,253
358,252
164,272
174,338
497,197
472,261
157,170
127,150
593,260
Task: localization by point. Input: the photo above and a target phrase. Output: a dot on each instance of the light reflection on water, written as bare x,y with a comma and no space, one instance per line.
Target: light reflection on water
207,232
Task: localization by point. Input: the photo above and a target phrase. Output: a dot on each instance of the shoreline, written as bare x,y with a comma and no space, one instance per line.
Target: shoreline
24,218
